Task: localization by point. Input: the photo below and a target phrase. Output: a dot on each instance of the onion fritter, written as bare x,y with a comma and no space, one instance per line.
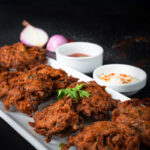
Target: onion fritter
59,119
98,104
136,114
59,77
105,135
20,57
27,92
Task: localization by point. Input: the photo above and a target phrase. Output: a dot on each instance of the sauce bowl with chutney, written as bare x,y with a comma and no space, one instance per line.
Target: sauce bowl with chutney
81,56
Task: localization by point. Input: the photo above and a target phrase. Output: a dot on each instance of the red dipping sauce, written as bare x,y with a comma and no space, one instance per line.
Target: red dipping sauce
78,55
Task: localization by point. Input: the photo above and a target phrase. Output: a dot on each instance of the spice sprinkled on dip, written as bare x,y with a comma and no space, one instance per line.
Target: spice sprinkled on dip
118,78
78,55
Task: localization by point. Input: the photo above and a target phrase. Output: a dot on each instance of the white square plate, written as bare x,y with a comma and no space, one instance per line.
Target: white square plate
19,121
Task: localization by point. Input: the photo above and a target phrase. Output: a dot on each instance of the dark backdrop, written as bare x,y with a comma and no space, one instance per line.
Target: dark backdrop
131,7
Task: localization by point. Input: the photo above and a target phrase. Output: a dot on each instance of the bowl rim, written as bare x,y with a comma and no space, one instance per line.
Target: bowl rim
79,58
120,85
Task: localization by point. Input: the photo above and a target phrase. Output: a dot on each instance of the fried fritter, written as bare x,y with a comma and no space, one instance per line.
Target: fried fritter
59,119
6,78
20,57
98,104
105,135
136,114
27,92
59,77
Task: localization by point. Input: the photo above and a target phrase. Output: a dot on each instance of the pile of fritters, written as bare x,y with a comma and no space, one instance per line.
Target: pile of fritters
128,130
34,82
63,116
136,114
20,57
98,105
26,90
105,135
59,118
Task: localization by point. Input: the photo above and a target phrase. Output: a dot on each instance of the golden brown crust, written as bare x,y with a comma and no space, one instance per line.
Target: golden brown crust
20,57
105,135
2,69
27,92
59,77
136,114
57,119
6,78
98,104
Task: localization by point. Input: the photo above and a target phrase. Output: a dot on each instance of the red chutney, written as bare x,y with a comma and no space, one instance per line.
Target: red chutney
78,55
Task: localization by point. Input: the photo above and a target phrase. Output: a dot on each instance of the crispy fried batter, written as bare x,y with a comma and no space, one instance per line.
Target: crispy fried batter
98,104
136,114
2,69
6,78
105,135
27,91
20,57
57,119
32,87
59,77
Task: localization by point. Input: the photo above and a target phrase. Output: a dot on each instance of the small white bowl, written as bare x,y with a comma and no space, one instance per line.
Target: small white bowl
82,64
127,89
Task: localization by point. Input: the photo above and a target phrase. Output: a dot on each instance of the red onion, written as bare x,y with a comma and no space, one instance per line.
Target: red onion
55,41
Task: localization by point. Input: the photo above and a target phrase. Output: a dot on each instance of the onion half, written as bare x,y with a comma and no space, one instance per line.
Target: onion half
33,36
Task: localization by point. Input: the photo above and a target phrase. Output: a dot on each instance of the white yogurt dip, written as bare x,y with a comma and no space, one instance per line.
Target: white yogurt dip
118,78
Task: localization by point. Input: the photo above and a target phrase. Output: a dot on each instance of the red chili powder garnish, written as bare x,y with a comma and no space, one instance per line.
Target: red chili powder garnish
112,77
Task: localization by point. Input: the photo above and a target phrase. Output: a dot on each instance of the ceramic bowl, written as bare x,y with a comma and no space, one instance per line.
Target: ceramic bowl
82,64
127,89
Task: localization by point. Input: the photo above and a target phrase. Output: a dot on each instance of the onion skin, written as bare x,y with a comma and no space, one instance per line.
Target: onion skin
55,41
33,36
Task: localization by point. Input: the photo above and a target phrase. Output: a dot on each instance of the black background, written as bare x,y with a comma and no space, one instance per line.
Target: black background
105,22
